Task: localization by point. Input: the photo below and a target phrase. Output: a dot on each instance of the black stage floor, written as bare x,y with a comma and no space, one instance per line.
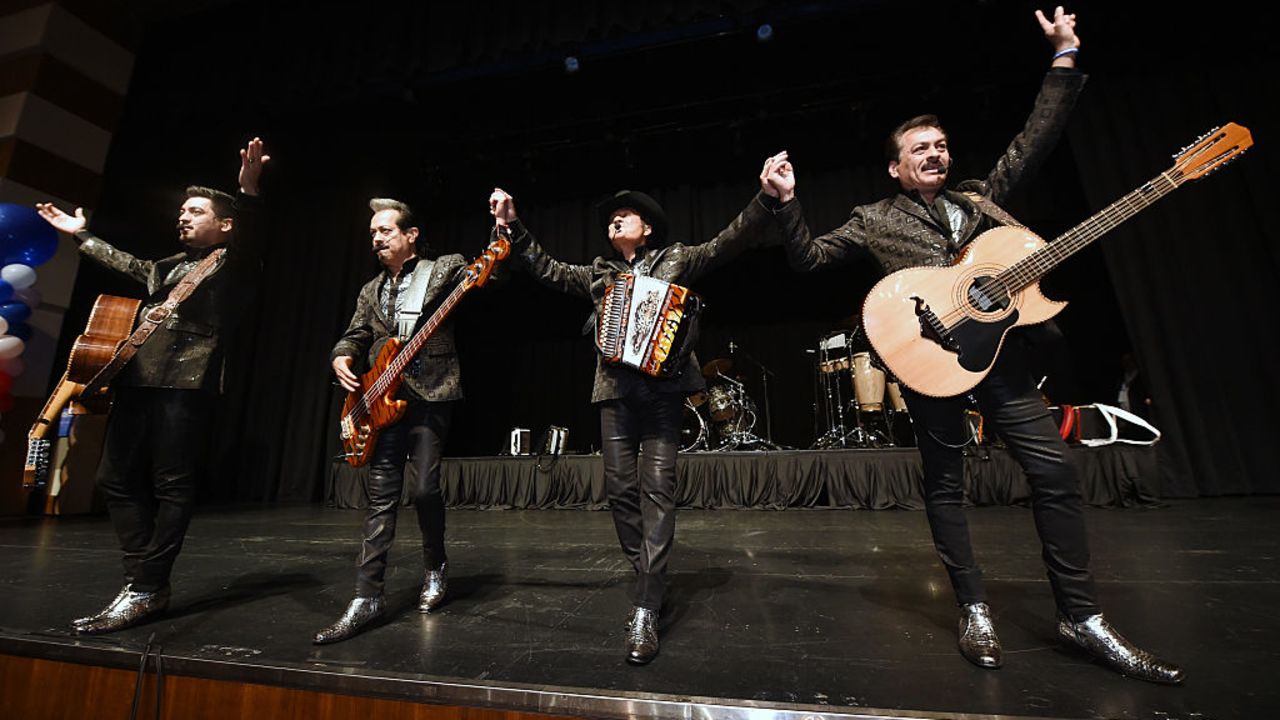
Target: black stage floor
771,614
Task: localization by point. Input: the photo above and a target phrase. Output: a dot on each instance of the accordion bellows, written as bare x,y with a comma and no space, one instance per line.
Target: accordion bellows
648,324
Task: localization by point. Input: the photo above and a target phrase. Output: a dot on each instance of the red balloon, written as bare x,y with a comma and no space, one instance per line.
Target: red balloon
6,381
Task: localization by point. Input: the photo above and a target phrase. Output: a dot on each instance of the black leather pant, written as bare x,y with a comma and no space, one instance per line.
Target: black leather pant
1009,400
418,439
641,434
157,443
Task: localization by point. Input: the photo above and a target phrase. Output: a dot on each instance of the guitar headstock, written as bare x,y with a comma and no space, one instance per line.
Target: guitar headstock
1211,151
481,269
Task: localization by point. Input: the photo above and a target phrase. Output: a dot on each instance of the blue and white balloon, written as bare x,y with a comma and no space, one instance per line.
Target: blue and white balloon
24,236
18,275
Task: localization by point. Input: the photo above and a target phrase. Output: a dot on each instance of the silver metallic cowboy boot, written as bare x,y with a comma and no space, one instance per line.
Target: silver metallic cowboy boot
642,636
362,612
979,643
1100,640
129,608
434,587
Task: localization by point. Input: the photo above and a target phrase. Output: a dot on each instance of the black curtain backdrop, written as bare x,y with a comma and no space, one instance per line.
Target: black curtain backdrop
436,104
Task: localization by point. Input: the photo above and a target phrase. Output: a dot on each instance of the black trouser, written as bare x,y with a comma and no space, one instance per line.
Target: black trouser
418,438
1009,400
157,443
641,434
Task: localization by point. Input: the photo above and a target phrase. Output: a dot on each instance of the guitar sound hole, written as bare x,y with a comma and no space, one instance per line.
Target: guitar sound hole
987,296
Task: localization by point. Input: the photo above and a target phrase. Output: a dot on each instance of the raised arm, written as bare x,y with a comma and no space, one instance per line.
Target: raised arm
1058,94
777,186
557,275
248,236
845,243
92,246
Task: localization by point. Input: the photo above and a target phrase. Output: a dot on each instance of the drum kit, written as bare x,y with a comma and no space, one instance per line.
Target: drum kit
723,417
856,404
850,408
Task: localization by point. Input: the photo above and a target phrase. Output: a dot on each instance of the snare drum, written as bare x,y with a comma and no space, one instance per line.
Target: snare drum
868,383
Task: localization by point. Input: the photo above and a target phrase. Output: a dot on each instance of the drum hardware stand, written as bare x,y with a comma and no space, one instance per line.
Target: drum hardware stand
862,436
740,436
764,381
836,434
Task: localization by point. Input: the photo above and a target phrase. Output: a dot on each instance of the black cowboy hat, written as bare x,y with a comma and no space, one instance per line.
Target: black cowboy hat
645,206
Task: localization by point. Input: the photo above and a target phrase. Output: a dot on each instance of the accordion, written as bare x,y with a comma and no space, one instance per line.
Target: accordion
648,324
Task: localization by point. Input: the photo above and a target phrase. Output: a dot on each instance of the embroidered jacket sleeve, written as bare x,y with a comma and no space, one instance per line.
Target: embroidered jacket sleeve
557,275
743,233
1058,94
359,335
804,253
112,258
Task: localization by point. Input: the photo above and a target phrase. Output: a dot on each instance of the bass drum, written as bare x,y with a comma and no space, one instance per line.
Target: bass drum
693,429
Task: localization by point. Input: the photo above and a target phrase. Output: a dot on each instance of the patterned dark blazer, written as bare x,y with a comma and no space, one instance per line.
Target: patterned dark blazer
899,232
186,351
675,263
434,375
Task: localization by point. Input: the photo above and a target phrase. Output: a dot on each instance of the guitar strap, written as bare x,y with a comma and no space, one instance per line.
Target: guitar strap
411,302
992,210
150,321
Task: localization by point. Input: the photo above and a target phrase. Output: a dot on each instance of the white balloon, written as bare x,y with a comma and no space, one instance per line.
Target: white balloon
18,275
29,296
10,346
14,366
4,326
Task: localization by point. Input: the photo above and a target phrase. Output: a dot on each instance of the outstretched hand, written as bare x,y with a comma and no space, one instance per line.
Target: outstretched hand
252,160
66,223
1061,31
502,206
777,178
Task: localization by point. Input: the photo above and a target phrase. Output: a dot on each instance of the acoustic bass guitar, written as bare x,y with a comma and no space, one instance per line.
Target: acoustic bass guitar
939,330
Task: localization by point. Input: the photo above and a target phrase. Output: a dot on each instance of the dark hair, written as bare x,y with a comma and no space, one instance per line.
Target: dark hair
224,205
893,144
405,221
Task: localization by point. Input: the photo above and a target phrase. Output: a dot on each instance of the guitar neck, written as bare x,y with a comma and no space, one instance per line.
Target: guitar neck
48,417
1039,263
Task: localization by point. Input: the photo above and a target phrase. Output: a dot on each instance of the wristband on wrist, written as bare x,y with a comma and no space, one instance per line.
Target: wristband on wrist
1066,52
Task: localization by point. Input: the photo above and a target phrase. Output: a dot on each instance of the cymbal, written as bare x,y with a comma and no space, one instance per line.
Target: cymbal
719,366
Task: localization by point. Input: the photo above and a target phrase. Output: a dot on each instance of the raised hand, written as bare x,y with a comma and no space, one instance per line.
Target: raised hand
1061,31
777,178
252,160
502,206
60,220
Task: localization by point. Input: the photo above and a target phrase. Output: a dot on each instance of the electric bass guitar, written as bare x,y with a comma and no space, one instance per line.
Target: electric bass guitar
940,329
109,326
373,407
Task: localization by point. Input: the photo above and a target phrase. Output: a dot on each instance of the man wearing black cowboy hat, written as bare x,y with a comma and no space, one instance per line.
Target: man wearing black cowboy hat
639,414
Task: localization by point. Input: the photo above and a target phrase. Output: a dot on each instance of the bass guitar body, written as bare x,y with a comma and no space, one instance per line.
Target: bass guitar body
939,330
375,405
